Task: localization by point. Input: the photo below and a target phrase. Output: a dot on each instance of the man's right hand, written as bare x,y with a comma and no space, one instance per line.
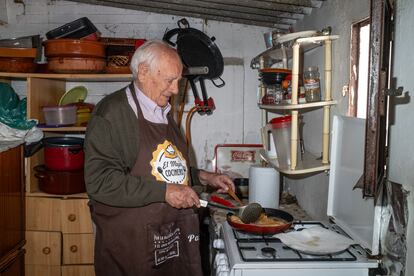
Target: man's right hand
181,196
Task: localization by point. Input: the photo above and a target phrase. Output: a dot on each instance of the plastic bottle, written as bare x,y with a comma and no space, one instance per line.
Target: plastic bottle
312,84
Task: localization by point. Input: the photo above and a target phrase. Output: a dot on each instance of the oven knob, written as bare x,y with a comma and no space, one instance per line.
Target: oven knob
222,262
218,244
222,271
220,258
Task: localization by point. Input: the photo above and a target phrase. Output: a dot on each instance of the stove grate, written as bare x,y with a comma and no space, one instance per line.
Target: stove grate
252,246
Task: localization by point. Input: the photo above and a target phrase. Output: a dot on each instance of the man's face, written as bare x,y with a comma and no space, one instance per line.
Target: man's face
161,82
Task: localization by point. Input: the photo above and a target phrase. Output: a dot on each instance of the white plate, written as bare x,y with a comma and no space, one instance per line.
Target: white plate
316,241
292,36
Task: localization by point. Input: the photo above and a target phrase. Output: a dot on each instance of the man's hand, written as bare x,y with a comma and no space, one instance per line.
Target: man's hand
221,182
181,196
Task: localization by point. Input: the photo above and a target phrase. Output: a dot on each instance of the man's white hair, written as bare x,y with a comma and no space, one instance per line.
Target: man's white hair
147,53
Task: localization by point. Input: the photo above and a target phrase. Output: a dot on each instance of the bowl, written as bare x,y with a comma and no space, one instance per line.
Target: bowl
60,115
272,76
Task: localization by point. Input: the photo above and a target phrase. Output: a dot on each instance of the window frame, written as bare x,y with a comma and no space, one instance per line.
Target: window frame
354,65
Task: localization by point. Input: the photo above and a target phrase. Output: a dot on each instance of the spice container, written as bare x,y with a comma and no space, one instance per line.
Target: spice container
312,84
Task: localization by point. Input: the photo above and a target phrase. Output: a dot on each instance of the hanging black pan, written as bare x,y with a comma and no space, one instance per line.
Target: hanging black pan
196,49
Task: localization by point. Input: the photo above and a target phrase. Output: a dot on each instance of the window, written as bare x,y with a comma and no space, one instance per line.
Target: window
358,87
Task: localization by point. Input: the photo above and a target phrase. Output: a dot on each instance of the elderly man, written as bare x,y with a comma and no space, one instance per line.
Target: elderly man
138,176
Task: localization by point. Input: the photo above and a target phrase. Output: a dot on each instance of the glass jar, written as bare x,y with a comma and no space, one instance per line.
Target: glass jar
312,84
275,92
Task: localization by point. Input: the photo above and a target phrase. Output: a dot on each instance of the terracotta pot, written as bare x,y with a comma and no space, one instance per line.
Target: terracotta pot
117,70
18,52
17,65
74,48
60,182
71,65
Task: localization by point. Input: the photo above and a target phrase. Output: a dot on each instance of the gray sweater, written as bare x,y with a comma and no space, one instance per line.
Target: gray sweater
111,149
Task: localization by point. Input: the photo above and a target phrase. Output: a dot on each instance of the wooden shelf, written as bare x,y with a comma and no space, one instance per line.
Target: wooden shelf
288,106
308,164
70,77
42,194
64,129
276,54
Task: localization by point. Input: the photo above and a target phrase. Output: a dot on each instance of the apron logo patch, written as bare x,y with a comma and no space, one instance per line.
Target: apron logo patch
166,246
168,164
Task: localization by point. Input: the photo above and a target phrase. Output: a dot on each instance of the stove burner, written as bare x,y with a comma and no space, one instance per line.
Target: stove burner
269,252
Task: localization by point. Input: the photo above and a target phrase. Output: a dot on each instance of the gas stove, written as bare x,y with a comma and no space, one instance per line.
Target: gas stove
244,254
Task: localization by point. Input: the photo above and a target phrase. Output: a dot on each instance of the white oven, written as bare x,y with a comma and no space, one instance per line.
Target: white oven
242,254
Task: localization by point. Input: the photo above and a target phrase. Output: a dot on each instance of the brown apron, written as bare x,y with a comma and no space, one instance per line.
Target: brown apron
155,239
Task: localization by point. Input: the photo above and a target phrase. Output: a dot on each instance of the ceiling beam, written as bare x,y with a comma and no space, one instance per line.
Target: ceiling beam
197,12
280,14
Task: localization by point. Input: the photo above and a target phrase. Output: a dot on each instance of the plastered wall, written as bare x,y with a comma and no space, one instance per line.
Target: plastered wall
236,118
401,161
312,191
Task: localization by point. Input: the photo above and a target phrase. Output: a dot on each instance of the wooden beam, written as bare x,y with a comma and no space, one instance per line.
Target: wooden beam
157,7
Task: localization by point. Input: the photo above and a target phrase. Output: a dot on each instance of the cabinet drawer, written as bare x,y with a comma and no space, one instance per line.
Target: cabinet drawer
78,248
76,217
43,270
43,248
42,214
78,270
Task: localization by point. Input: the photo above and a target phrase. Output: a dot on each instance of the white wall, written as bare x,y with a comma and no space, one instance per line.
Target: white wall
401,162
312,191
340,14
236,118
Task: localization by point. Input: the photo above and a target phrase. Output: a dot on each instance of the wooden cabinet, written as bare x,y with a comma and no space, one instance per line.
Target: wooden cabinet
78,249
12,212
59,231
75,216
43,248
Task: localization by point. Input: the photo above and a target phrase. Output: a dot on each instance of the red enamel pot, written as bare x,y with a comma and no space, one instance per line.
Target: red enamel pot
60,182
64,153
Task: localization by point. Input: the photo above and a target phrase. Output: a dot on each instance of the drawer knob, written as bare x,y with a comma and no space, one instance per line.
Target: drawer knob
46,250
74,248
72,217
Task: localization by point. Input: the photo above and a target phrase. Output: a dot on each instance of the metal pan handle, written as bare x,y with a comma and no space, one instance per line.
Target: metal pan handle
205,203
168,35
218,85
183,23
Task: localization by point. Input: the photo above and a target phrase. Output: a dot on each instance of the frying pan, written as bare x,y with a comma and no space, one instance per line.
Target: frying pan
196,49
260,229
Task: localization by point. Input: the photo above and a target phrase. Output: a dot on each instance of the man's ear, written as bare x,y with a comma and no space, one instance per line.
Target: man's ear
143,71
